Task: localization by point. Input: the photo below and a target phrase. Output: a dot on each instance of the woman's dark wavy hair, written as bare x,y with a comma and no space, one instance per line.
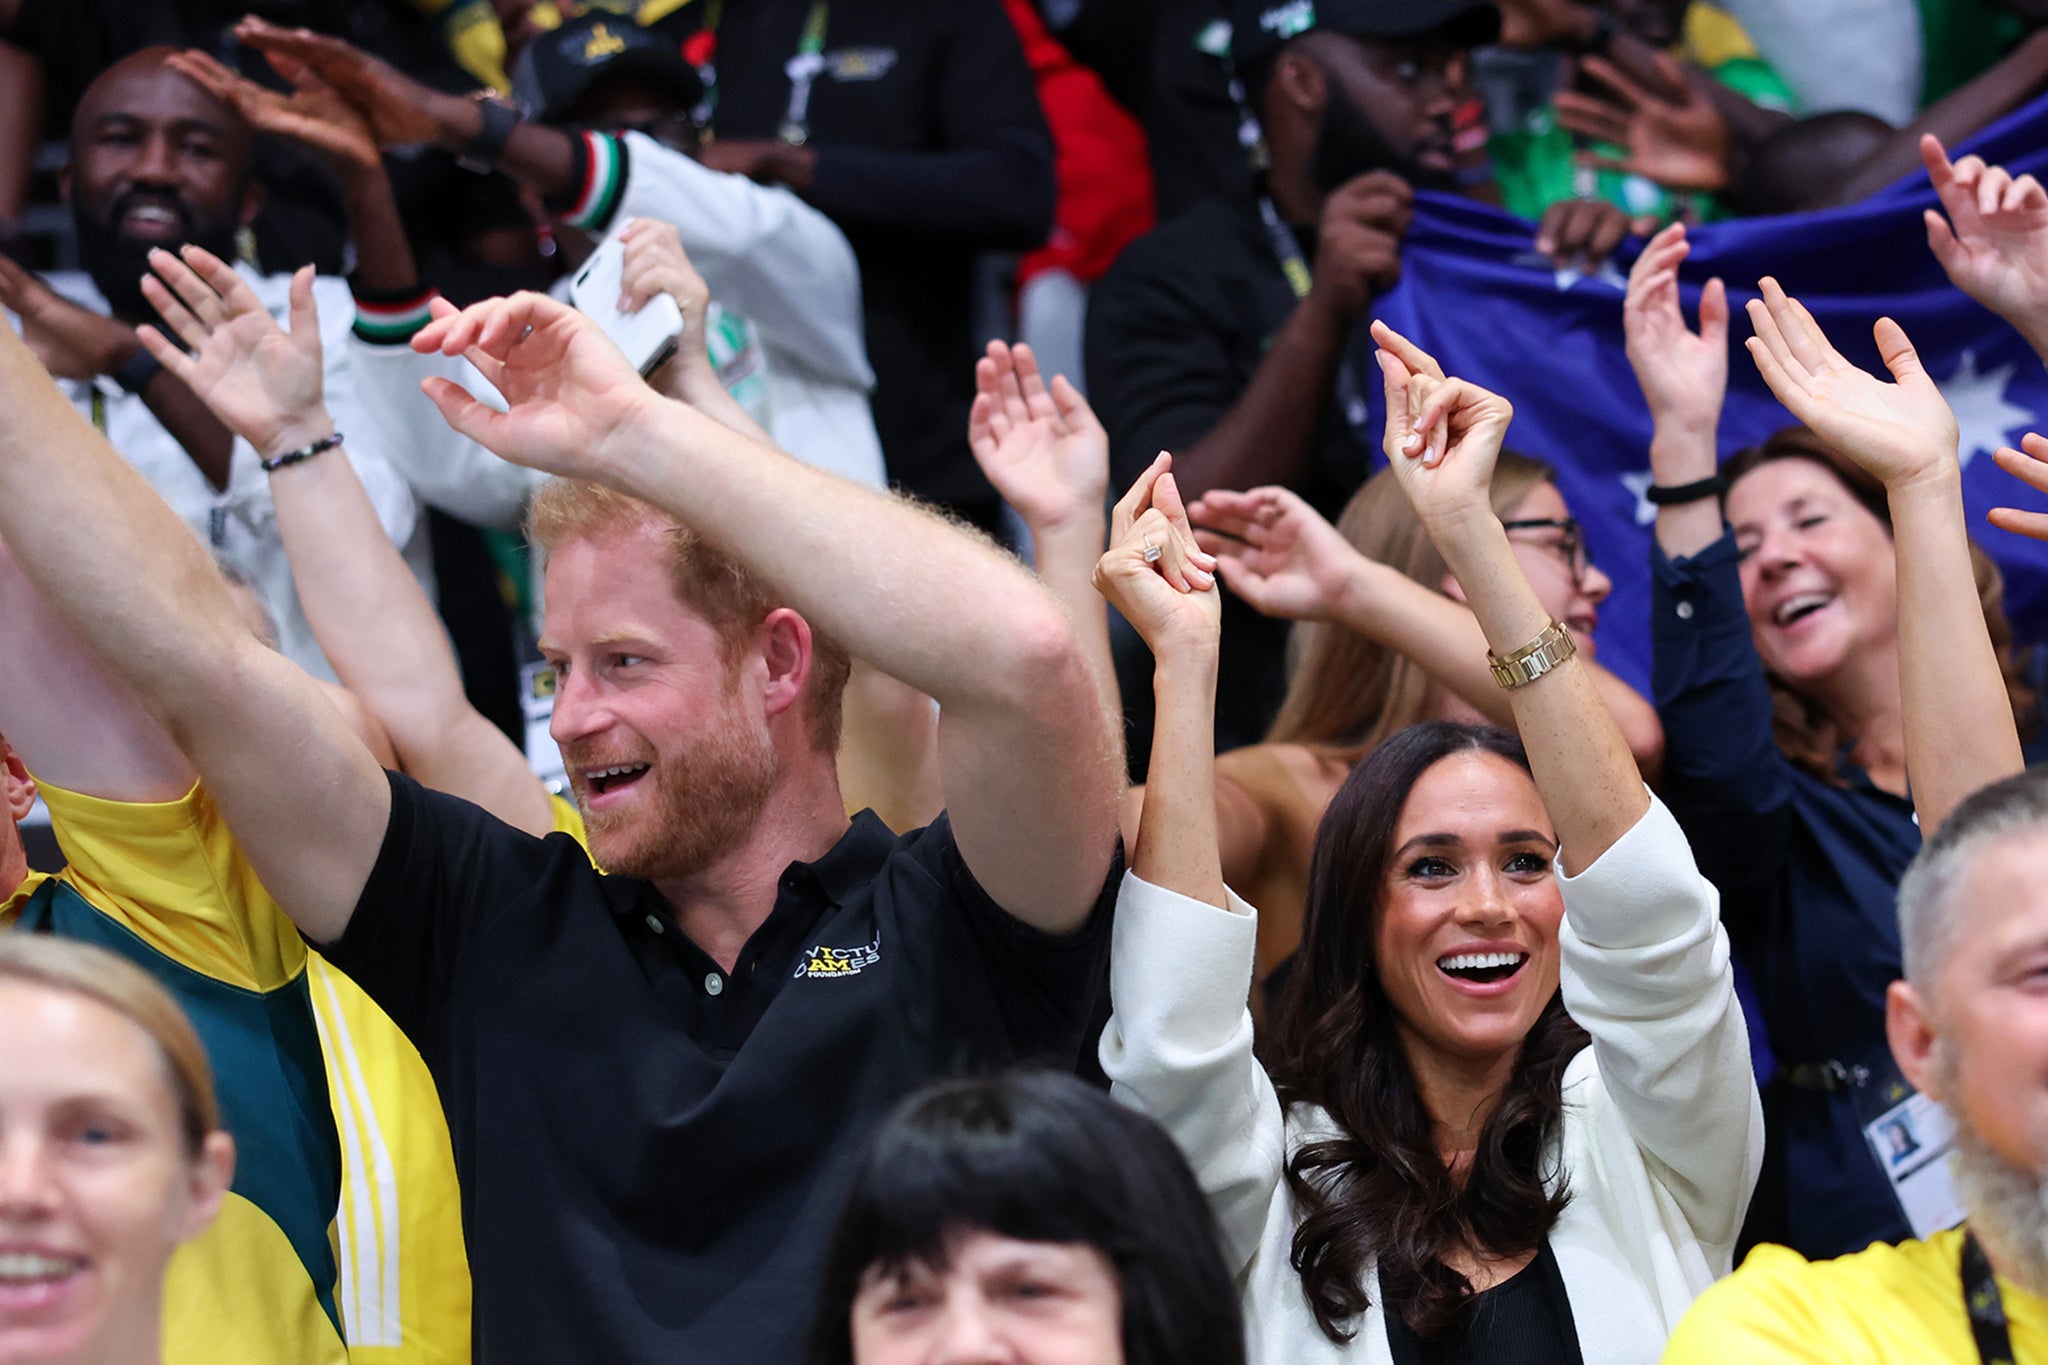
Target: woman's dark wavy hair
1040,1157
1380,1193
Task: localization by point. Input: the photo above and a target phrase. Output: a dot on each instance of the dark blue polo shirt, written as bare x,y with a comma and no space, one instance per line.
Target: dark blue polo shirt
652,1151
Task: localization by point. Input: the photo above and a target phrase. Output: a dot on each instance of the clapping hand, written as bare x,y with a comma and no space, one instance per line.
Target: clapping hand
70,341
1443,434
265,384
1154,573
1994,242
397,107
1899,432
1275,551
1040,445
1683,374
577,408
315,113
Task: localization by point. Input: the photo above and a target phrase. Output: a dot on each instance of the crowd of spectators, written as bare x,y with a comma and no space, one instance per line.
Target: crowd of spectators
813,681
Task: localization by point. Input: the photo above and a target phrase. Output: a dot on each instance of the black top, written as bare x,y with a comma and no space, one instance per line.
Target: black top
1175,331
651,1151
931,147
1526,1319
1149,55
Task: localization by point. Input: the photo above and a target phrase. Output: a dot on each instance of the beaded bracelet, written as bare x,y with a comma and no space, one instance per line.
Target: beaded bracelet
291,457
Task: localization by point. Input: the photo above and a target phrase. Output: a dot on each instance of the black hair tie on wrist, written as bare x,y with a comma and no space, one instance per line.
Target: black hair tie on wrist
291,457
1661,496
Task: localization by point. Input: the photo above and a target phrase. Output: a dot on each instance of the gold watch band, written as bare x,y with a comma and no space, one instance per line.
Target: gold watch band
1544,654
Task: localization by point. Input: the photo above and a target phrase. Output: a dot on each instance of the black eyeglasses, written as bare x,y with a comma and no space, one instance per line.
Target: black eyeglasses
1570,543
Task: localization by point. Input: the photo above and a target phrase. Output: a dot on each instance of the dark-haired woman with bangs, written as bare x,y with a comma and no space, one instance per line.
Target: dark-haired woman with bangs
1510,1117
1025,1218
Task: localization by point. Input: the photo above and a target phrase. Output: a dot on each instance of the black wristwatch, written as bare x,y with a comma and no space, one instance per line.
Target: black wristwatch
481,155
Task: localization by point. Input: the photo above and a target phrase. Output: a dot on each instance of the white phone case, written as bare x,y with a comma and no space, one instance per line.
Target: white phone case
647,336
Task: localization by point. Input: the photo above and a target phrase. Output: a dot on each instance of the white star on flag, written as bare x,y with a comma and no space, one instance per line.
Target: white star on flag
1638,484
1983,416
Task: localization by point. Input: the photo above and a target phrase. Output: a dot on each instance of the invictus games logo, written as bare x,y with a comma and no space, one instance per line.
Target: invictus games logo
1284,21
827,962
602,43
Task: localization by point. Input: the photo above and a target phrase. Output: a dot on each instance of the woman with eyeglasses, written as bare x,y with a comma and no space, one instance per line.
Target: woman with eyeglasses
1384,639
1776,650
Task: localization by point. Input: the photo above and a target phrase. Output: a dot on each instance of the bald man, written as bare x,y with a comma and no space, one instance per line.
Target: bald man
158,162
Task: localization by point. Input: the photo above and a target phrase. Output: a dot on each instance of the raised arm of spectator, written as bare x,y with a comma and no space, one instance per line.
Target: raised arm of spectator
73,724
1283,558
1028,749
1442,438
1042,448
1994,241
306,800
1151,574
318,117
1960,733
367,610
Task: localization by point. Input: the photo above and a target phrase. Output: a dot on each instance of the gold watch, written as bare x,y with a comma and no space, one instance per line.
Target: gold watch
1544,654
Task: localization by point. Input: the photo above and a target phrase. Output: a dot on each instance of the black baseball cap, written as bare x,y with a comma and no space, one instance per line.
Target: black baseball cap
559,68
1260,28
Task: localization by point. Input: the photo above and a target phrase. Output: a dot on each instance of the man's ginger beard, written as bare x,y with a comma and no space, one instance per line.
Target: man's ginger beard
2007,1205
707,797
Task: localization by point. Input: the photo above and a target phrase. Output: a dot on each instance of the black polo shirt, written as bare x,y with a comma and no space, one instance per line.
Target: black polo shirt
931,149
1175,331
652,1151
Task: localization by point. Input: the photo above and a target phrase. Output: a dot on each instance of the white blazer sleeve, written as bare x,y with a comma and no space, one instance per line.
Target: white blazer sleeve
1646,971
1179,1048
764,252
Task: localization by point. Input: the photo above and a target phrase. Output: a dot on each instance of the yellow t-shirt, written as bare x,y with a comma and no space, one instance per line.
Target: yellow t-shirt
1889,1305
163,885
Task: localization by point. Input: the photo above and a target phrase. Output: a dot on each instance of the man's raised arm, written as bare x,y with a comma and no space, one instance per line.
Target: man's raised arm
303,796
1027,746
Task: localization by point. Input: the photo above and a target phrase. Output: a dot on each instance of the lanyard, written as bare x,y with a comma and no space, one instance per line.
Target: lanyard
216,516
803,70
1984,1304
1300,278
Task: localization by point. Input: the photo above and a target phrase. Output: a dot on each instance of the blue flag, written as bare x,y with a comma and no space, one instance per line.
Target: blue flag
1475,294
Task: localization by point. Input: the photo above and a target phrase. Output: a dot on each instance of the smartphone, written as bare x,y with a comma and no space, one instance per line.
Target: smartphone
648,336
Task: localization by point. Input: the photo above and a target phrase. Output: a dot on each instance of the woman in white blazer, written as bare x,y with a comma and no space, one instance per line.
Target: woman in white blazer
1510,1114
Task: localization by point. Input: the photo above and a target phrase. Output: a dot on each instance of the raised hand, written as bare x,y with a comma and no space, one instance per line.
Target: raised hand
265,385
71,342
1039,444
1994,241
398,108
2028,464
578,409
315,113
1671,133
1683,374
1899,432
1443,434
1275,551
1154,573
655,263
